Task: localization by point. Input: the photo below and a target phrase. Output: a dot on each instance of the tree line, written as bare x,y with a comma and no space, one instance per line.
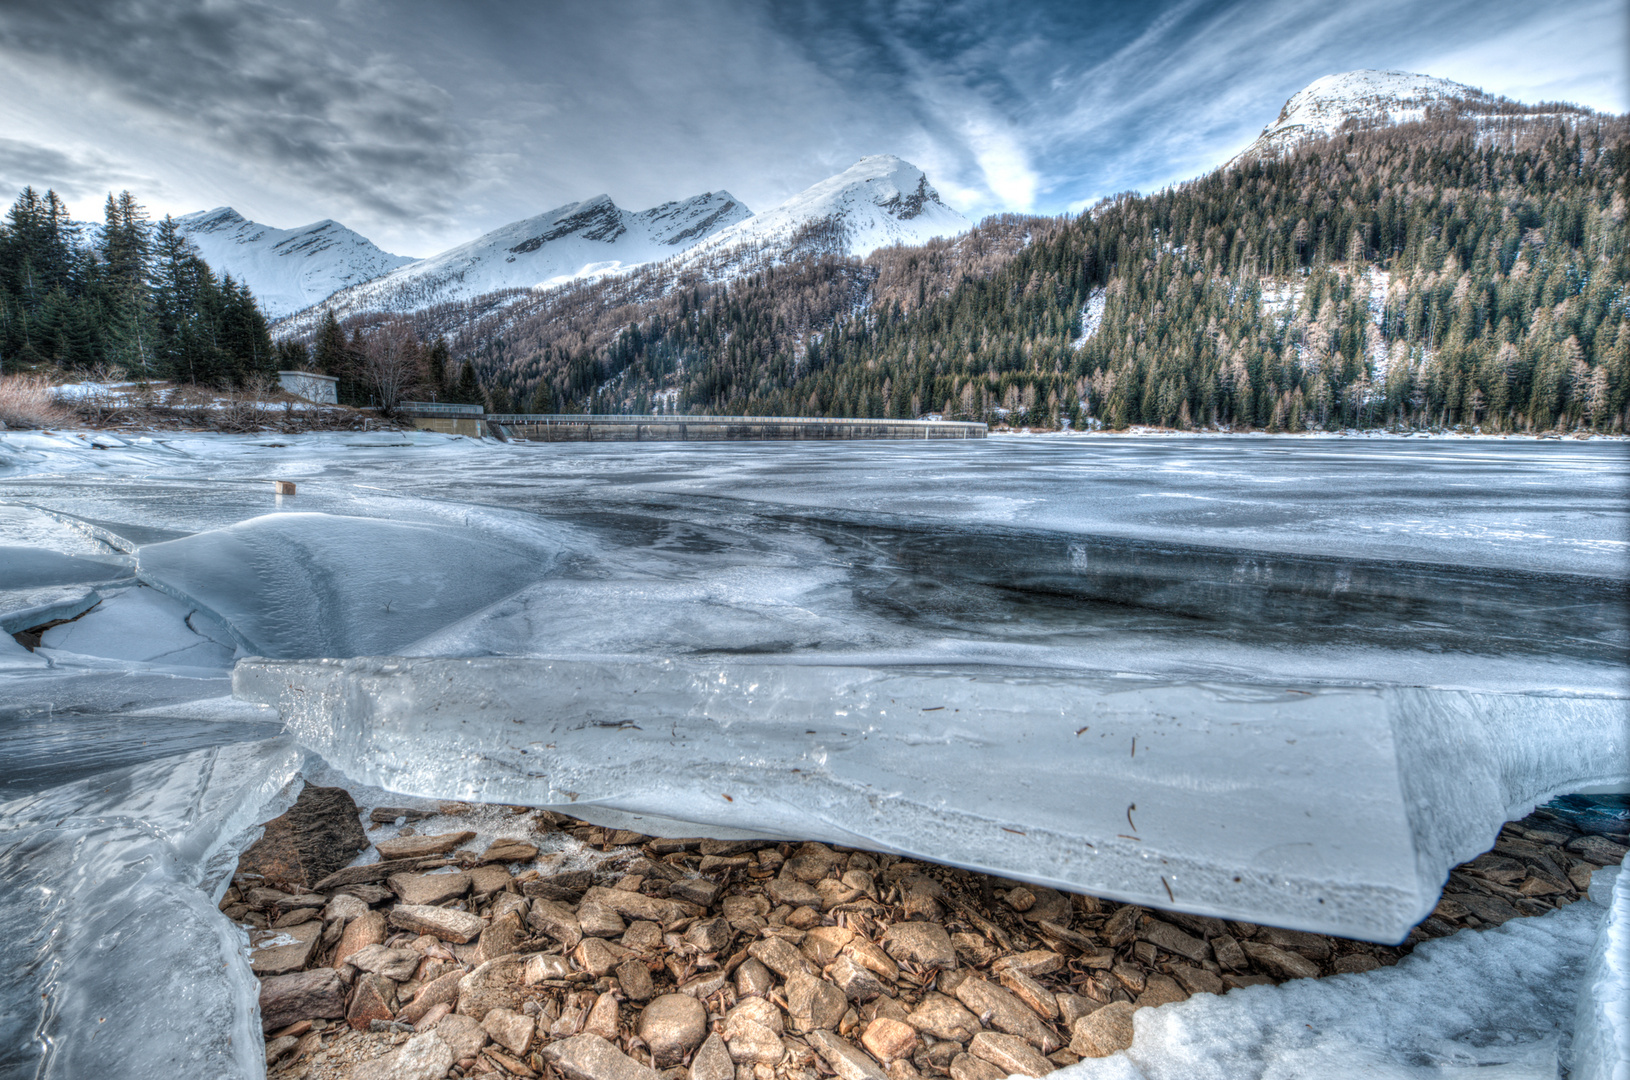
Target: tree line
128,294
1425,275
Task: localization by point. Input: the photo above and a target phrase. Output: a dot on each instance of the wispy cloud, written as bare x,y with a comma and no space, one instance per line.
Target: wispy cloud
423,123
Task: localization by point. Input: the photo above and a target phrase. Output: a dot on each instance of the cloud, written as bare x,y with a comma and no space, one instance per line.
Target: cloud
271,90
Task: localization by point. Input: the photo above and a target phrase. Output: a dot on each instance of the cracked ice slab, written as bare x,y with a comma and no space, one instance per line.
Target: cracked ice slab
117,962
1336,810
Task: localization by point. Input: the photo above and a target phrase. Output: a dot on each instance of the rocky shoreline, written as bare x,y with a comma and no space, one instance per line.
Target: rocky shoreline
560,948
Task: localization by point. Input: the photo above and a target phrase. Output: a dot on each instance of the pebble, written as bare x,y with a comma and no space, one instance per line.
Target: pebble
415,847
923,943
444,923
1104,1031
302,995
589,1057
1013,1055
672,1026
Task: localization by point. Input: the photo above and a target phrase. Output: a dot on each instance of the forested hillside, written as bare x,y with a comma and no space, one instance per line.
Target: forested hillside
1430,274
132,296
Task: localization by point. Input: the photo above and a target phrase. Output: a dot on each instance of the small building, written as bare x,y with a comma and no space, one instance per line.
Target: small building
318,389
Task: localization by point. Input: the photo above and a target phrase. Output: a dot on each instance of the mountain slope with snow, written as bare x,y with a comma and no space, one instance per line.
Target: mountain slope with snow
878,201
285,269
1370,98
579,240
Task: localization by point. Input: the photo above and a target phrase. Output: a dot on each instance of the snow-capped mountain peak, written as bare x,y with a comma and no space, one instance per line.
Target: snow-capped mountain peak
1372,98
285,269
878,201
584,239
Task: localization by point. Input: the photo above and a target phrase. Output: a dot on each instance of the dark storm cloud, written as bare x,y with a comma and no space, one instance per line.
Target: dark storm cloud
267,86
73,176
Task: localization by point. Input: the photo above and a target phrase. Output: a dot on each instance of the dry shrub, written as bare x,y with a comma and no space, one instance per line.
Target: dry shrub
26,401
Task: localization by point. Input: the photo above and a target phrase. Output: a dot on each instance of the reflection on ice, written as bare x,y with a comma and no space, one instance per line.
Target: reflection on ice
1337,810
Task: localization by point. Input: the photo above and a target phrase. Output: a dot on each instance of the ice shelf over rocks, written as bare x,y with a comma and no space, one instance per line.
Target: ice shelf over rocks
1332,810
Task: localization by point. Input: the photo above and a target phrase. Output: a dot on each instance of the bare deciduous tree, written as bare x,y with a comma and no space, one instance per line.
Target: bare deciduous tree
390,362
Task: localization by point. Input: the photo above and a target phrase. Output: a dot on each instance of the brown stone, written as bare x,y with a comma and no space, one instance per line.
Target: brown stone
712,1061
597,920
442,990
1072,1007
1104,1031
943,1018
557,920
1312,946
889,1039
397,965
1490,909
1197,980
778,956
924,944
823,943
604,1017
997,1008
1011,1054
710,935
462,1034
1035,962
1132,977
1032,993
589,1057
672,1026
489,879
871,957
857,983
547,967
1599,849
429,889
968,1067
509,1029
973,949
509,851
594,956
1164,935
316,836
632,905
502,936
1279,963
813,1002
699,891
444,923
304,995
1122,926
751,1042
1355,963
373,998
1229,954
278,952
846,1059
792,892
753,979
351,876
423,1057
1160,990
417,847
635,979
496,984
294,918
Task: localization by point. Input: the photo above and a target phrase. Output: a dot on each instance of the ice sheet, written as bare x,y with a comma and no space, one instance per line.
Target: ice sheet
306,584
142,626
117,962
1492,1004
1601,1034
1334,810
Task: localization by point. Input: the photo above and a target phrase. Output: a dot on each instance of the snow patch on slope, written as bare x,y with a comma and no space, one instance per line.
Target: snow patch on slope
285,269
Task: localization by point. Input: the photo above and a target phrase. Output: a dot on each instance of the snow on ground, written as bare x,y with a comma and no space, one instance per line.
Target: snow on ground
1092,317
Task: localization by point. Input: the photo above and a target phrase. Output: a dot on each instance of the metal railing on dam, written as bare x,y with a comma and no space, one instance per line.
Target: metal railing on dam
569,427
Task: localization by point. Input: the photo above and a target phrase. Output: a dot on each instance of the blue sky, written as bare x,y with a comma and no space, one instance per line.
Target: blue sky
423,124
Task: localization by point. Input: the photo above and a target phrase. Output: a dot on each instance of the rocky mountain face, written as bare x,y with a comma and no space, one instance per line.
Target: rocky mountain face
286,269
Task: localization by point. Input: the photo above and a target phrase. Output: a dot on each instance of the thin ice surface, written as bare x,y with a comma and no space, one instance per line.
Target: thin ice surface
118,963
1321,810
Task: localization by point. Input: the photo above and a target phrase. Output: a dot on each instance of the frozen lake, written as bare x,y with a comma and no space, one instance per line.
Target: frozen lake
1308,675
